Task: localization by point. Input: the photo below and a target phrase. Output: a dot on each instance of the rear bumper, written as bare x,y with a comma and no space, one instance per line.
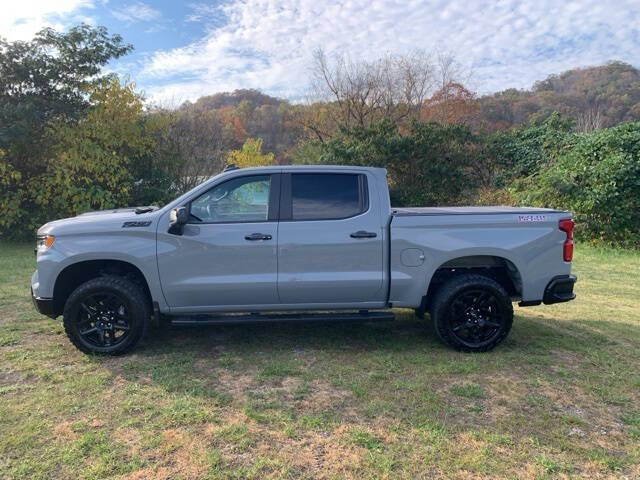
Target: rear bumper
43,305
560,289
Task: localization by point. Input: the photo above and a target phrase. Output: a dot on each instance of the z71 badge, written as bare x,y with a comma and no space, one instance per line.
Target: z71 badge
532,218
136,224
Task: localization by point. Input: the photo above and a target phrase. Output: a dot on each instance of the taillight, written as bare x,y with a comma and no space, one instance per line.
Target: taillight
566,225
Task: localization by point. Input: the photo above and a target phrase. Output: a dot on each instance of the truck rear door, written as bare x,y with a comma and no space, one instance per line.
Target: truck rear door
330,241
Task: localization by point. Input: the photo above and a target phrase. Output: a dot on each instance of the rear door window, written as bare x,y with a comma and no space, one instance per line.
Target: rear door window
327,196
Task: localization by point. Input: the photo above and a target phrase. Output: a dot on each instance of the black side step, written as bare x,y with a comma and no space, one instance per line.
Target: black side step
195,320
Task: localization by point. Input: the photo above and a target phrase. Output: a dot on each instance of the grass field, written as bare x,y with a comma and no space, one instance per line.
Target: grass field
560,398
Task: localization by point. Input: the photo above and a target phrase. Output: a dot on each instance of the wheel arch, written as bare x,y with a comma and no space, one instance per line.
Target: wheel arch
77,273
498,267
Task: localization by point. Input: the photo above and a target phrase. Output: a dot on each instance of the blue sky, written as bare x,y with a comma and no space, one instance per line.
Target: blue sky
187,49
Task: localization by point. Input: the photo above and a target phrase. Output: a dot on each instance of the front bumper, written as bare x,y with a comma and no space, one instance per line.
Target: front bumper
44,305
560,289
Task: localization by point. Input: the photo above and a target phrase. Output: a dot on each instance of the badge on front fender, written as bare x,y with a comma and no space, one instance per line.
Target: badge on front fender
136,224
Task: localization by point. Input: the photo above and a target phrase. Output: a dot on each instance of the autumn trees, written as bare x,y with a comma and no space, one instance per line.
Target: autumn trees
406,113
46,86
364,92
91,164
73,139
595,97
442,145
358,94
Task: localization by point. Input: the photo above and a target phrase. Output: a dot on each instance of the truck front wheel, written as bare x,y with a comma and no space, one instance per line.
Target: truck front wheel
106,315
472,313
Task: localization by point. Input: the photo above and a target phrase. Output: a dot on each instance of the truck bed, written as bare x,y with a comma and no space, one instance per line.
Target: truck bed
529,238
495,210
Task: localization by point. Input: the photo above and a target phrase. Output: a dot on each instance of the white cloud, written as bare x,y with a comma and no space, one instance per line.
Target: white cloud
20,19
203,12
136,12
267,44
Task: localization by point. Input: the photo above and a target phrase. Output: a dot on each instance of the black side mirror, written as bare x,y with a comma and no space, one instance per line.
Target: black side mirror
178,217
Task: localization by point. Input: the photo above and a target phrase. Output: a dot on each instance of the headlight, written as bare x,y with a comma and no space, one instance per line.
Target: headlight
44,241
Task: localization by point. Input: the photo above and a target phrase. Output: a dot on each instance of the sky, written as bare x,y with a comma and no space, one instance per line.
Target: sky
184,50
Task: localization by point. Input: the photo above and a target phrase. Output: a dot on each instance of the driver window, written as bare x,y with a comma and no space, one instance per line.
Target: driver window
243,199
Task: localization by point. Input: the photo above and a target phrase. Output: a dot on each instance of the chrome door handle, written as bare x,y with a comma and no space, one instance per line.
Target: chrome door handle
257,236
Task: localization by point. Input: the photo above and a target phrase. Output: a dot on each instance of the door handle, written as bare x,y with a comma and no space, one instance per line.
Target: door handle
363,234
257,236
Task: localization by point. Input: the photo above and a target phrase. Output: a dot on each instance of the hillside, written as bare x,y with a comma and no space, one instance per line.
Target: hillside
255,98
596,97
247,113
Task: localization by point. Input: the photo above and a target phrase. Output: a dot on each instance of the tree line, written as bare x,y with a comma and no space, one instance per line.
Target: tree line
73,139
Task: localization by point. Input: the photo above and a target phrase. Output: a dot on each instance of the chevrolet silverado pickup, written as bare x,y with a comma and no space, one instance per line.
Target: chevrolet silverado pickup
298,243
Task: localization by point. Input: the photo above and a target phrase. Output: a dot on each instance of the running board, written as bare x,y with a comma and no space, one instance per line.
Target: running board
196,320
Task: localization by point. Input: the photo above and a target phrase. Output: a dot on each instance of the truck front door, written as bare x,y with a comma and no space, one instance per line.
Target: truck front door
330,241
227,254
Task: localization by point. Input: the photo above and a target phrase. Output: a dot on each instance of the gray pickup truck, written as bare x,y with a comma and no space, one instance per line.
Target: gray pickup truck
298,243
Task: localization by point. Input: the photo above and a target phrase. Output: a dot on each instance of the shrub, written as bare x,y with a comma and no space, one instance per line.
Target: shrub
429,165
10,196
598,178
90,167
520,152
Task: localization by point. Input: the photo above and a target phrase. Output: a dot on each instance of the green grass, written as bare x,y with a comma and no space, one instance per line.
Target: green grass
468,390
560,398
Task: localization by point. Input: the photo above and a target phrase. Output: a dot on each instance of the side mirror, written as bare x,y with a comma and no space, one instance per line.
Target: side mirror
178,217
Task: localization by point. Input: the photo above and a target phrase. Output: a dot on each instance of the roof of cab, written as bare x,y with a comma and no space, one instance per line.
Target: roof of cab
286,168
233,172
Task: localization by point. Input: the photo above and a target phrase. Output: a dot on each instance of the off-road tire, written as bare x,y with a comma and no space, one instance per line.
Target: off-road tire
137,305
443,311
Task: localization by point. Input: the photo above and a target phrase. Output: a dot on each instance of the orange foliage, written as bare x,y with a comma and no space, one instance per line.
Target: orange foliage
232,119
453,104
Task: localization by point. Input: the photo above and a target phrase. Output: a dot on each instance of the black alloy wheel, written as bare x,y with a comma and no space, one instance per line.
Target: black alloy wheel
475,317
103,320
106,315
472,313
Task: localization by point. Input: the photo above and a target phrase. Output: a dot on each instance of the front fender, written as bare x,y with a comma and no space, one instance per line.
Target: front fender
135,247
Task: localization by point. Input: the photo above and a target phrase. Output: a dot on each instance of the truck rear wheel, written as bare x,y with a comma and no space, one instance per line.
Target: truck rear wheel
106,315
472,313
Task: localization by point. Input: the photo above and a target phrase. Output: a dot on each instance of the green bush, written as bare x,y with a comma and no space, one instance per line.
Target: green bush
90,167
47,92
10,196
522,151
430,164
597,178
